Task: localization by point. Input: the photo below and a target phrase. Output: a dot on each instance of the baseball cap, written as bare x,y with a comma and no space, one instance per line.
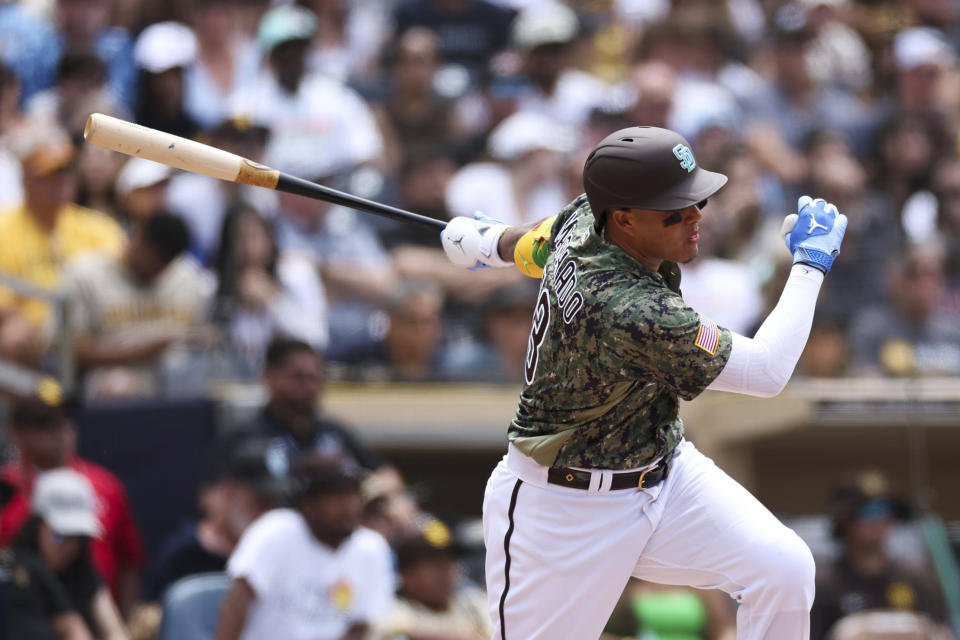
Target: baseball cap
46,406
527,131
544,23
285,23
139,173
42,147
164,46
262,463
431,539
918,46
66,501
865,495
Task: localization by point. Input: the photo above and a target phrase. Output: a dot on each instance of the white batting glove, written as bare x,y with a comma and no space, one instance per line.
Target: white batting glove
473,243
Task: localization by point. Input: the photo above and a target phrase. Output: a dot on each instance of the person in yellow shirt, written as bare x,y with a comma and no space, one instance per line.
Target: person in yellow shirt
40,235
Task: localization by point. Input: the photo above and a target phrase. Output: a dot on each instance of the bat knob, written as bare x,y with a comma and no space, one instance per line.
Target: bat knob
788,224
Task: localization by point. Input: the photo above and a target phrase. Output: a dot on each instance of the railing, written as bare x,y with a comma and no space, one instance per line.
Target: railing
22,380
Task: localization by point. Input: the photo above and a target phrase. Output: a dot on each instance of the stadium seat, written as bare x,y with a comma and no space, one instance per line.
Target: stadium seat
191,607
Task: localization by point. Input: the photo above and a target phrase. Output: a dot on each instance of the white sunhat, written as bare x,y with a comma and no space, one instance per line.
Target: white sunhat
527,131
918,46
164,46
66,501
138,173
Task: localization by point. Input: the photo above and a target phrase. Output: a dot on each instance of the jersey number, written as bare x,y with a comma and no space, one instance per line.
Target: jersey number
541,320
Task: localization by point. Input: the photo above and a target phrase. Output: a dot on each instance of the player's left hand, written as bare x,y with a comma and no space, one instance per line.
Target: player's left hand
473,243
814,235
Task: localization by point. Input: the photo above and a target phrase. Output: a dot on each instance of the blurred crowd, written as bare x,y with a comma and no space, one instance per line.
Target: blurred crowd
158,283
449,107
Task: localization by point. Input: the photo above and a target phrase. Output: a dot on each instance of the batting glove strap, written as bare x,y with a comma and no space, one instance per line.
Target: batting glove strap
815,258
490,235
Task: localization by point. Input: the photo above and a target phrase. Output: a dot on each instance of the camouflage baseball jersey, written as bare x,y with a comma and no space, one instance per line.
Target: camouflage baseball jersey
612,349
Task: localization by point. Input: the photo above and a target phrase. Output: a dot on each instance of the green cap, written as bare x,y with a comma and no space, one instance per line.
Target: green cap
285,23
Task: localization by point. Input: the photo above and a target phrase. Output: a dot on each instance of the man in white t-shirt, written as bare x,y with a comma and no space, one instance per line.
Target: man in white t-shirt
310,572
318,126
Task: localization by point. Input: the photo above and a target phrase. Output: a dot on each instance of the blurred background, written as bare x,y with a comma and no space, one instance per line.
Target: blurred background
152,321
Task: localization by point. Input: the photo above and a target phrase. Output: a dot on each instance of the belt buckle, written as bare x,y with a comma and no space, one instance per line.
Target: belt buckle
643,476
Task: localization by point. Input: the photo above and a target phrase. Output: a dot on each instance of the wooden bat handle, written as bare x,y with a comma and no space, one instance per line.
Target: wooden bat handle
181,153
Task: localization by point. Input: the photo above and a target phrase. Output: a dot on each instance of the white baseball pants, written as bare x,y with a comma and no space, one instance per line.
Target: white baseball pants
558,558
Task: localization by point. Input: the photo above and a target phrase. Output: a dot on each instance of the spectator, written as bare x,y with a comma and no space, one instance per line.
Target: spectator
414,119
349,38
907,146
522,183
912,334
873,233
226,60
431,603
253,480
37,237
59,532
470,32
305,112
97,170
310,572
85,25
503,332
389,508
132,315
410,348
36,605
865,576
796,105
45,438
141,189
27,51
827,354
544,34
294,377
654,83
11,190
922,56
81,80
262,293
203,201
946,190
838,55
163,51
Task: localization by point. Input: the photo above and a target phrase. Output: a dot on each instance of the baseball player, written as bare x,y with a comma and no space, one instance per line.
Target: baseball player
598,483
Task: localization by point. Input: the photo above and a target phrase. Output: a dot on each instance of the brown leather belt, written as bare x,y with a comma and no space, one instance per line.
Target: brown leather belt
577,479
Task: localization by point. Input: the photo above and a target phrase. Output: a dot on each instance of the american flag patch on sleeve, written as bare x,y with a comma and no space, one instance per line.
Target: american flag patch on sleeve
708,337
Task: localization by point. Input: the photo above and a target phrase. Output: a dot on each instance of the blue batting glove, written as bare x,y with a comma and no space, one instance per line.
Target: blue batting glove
816,237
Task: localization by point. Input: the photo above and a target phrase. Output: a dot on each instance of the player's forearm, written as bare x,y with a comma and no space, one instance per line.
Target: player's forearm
762,365
508,241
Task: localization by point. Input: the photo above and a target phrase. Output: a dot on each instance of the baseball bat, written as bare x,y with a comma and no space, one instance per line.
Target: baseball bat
143,142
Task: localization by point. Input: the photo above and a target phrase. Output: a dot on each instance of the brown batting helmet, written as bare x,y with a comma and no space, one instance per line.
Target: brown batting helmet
645,168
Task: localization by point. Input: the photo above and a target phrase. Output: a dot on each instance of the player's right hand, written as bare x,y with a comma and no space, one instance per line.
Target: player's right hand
816,234
473,242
